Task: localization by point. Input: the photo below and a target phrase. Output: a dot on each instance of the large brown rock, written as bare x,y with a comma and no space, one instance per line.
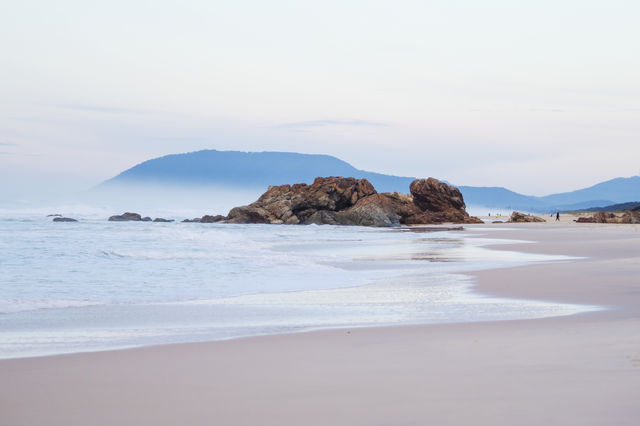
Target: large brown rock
292,204
350,201
438,202
379,210
433,195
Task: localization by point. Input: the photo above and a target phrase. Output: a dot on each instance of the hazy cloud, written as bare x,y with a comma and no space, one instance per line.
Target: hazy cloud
19,154
325,123
180,139
8,144
102,109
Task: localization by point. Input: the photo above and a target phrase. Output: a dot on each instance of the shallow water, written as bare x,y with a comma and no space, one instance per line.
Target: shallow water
95,285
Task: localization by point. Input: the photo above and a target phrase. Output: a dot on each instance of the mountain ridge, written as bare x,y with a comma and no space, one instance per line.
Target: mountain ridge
259,170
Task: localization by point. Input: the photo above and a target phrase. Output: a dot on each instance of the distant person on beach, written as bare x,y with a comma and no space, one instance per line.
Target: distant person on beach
557,215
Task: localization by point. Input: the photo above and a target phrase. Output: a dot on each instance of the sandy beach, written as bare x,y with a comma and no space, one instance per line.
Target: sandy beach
574,370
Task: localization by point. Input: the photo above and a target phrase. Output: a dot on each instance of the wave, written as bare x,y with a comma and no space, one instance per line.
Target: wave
8,306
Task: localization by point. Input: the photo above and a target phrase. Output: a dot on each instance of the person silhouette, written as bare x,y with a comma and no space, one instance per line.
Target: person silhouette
558,216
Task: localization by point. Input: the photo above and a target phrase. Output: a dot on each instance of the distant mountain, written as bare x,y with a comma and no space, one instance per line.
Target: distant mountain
249,170
619,190
501,198
634,205
255,171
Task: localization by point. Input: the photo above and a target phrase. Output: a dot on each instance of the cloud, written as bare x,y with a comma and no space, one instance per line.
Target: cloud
101,109
325,123
8,144
19,154
180,139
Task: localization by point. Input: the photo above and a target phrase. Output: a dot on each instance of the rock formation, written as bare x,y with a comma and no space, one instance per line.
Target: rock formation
211,219
126,217
135,217
194,220
629,216
517,217
58,218
584,219
350,201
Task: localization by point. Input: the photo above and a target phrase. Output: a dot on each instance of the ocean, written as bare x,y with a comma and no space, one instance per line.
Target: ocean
98,285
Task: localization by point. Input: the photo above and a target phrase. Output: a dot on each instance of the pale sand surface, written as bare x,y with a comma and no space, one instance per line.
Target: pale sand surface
577,370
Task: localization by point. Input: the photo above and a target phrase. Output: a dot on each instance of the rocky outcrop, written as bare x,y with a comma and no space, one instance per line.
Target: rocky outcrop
293,204
584,219
135,217
629,217
517,217
58,218
206,219
125,217
212,219
350,201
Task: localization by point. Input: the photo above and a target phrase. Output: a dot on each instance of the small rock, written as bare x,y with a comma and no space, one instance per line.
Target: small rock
585,220
126,217
517,217
63,219
194,220
163,220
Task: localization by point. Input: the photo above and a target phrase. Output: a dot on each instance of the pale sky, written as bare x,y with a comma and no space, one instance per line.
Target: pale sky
539,97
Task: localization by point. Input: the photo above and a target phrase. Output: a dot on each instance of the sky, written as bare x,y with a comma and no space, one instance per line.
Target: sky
539,97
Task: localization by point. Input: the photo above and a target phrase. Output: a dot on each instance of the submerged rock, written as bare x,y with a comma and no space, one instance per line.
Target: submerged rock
162,220
59,218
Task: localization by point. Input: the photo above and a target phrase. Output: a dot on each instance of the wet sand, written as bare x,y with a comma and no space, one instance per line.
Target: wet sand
575,370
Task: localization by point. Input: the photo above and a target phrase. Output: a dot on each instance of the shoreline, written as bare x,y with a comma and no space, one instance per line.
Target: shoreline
468,284
576,369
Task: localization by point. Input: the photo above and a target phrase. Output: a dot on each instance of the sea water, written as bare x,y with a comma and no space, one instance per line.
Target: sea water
98,285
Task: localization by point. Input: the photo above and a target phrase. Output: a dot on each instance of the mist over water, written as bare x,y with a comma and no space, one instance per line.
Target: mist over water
94,284
148,199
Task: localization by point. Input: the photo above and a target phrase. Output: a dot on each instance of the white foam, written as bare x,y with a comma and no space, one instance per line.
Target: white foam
21,305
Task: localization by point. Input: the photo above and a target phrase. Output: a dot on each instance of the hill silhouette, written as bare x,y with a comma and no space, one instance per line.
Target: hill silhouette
258,170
